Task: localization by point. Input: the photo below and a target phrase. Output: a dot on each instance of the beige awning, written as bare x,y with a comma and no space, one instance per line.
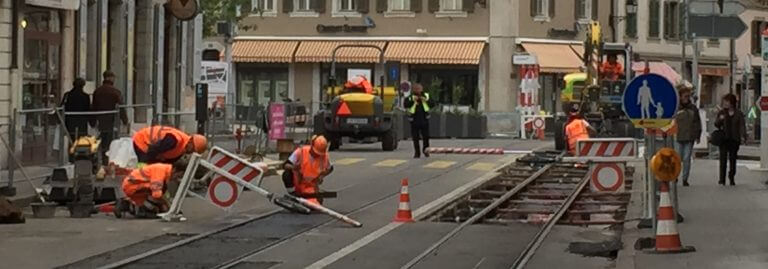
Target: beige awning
556,58
263,51
435,52
322,51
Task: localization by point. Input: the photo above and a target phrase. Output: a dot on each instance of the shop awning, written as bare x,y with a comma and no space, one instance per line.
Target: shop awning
321,52
435,52
556,58
714,70
660,68
263,51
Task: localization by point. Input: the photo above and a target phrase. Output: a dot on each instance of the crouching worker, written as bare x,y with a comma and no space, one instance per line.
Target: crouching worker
306,168
145,188
166,144
577,128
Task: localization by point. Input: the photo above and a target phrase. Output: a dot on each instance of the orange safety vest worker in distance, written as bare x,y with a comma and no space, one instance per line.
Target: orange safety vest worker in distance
576,130
147,183
307,170
612,71
160,144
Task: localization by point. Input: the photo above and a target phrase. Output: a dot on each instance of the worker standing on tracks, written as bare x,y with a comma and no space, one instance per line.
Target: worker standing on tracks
577,128
306,168
145,188
166,144
418,114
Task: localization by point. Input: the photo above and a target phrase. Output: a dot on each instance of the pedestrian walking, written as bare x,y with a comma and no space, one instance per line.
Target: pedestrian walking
688,128
107,98
76,100
418,114
731,122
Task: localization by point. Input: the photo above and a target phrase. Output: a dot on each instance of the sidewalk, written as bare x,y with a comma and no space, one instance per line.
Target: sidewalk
726,224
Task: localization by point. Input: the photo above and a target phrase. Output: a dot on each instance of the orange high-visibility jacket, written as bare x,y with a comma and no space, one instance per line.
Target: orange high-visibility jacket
147,136
310,167
576,130
146,181
612,71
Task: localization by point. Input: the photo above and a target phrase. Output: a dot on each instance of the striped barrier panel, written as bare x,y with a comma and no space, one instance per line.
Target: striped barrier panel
607,147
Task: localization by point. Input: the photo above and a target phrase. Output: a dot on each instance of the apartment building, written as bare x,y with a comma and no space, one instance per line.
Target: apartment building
749,49
655,30
461,50
46,44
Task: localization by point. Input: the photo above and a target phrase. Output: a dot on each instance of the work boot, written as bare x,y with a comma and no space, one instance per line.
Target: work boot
721,182
733,183
416,155
426,154
685,183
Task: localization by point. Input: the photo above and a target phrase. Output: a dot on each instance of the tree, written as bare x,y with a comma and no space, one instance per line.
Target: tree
215,11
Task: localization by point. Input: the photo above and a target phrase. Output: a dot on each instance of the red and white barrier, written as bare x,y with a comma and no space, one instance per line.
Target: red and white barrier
607,147
480,151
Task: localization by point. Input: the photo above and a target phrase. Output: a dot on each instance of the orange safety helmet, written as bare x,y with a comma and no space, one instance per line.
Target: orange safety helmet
319,145
199,142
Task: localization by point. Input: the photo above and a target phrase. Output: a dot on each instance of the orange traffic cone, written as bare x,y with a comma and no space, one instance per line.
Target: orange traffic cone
667,237
404,208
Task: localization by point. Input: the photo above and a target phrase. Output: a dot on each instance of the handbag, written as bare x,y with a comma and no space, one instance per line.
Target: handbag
716,137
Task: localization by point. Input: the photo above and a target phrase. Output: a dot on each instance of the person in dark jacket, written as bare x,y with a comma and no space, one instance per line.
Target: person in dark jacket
731,121
107,98
688,128
417,105
76,100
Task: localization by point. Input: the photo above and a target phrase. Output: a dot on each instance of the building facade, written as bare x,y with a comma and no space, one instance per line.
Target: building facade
656,30
46,44
460,50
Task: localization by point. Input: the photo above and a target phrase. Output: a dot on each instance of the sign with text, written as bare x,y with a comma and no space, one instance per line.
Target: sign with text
214,74
276,121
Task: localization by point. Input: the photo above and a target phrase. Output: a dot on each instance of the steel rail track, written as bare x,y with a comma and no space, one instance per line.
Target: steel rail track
235,261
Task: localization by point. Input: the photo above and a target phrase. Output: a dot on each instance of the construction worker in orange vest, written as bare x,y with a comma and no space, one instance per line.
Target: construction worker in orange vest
166,144
612,69
306,168
145,188
577,128
360,83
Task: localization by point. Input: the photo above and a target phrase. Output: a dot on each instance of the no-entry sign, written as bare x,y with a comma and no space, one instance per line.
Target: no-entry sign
763,103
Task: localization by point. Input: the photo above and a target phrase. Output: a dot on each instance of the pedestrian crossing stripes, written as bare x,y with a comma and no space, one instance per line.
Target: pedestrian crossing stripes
348,161
481,166
440,164
389,163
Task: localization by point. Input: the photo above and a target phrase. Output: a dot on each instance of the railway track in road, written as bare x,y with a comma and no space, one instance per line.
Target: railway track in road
228,246
542,194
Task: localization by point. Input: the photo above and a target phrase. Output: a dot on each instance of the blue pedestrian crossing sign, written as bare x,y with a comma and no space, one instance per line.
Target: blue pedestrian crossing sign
650,101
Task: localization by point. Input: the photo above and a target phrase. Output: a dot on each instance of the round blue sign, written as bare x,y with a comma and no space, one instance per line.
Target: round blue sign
650,101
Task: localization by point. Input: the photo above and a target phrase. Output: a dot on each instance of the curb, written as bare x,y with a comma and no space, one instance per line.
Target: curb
626,257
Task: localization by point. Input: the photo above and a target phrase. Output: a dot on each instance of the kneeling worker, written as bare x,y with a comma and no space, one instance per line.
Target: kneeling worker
166,144
577,128
145,188
306,167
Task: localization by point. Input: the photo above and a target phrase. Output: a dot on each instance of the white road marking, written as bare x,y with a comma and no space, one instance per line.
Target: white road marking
418,213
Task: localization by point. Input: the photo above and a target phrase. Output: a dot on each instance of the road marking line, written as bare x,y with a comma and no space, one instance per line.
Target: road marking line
418,213
440,164
348,161
481,166
389,163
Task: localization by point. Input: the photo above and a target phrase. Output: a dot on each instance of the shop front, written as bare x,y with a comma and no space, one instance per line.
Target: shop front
555,60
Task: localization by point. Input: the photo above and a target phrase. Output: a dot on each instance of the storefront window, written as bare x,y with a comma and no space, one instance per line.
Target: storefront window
456,87
260,86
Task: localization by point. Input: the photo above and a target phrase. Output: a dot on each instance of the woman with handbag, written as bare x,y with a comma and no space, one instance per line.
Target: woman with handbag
730,122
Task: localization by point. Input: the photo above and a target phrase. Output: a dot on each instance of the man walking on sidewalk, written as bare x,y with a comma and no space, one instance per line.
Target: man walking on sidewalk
417,106
107,98
688,128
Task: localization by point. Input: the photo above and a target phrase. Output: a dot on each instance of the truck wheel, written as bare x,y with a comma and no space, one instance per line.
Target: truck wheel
559,134
388,141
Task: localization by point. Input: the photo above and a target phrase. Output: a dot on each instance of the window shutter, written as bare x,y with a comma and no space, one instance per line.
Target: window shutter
468,5
287,6
318,5
363,6
595,9
417,5
434,6
533,8
382,6
551,8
